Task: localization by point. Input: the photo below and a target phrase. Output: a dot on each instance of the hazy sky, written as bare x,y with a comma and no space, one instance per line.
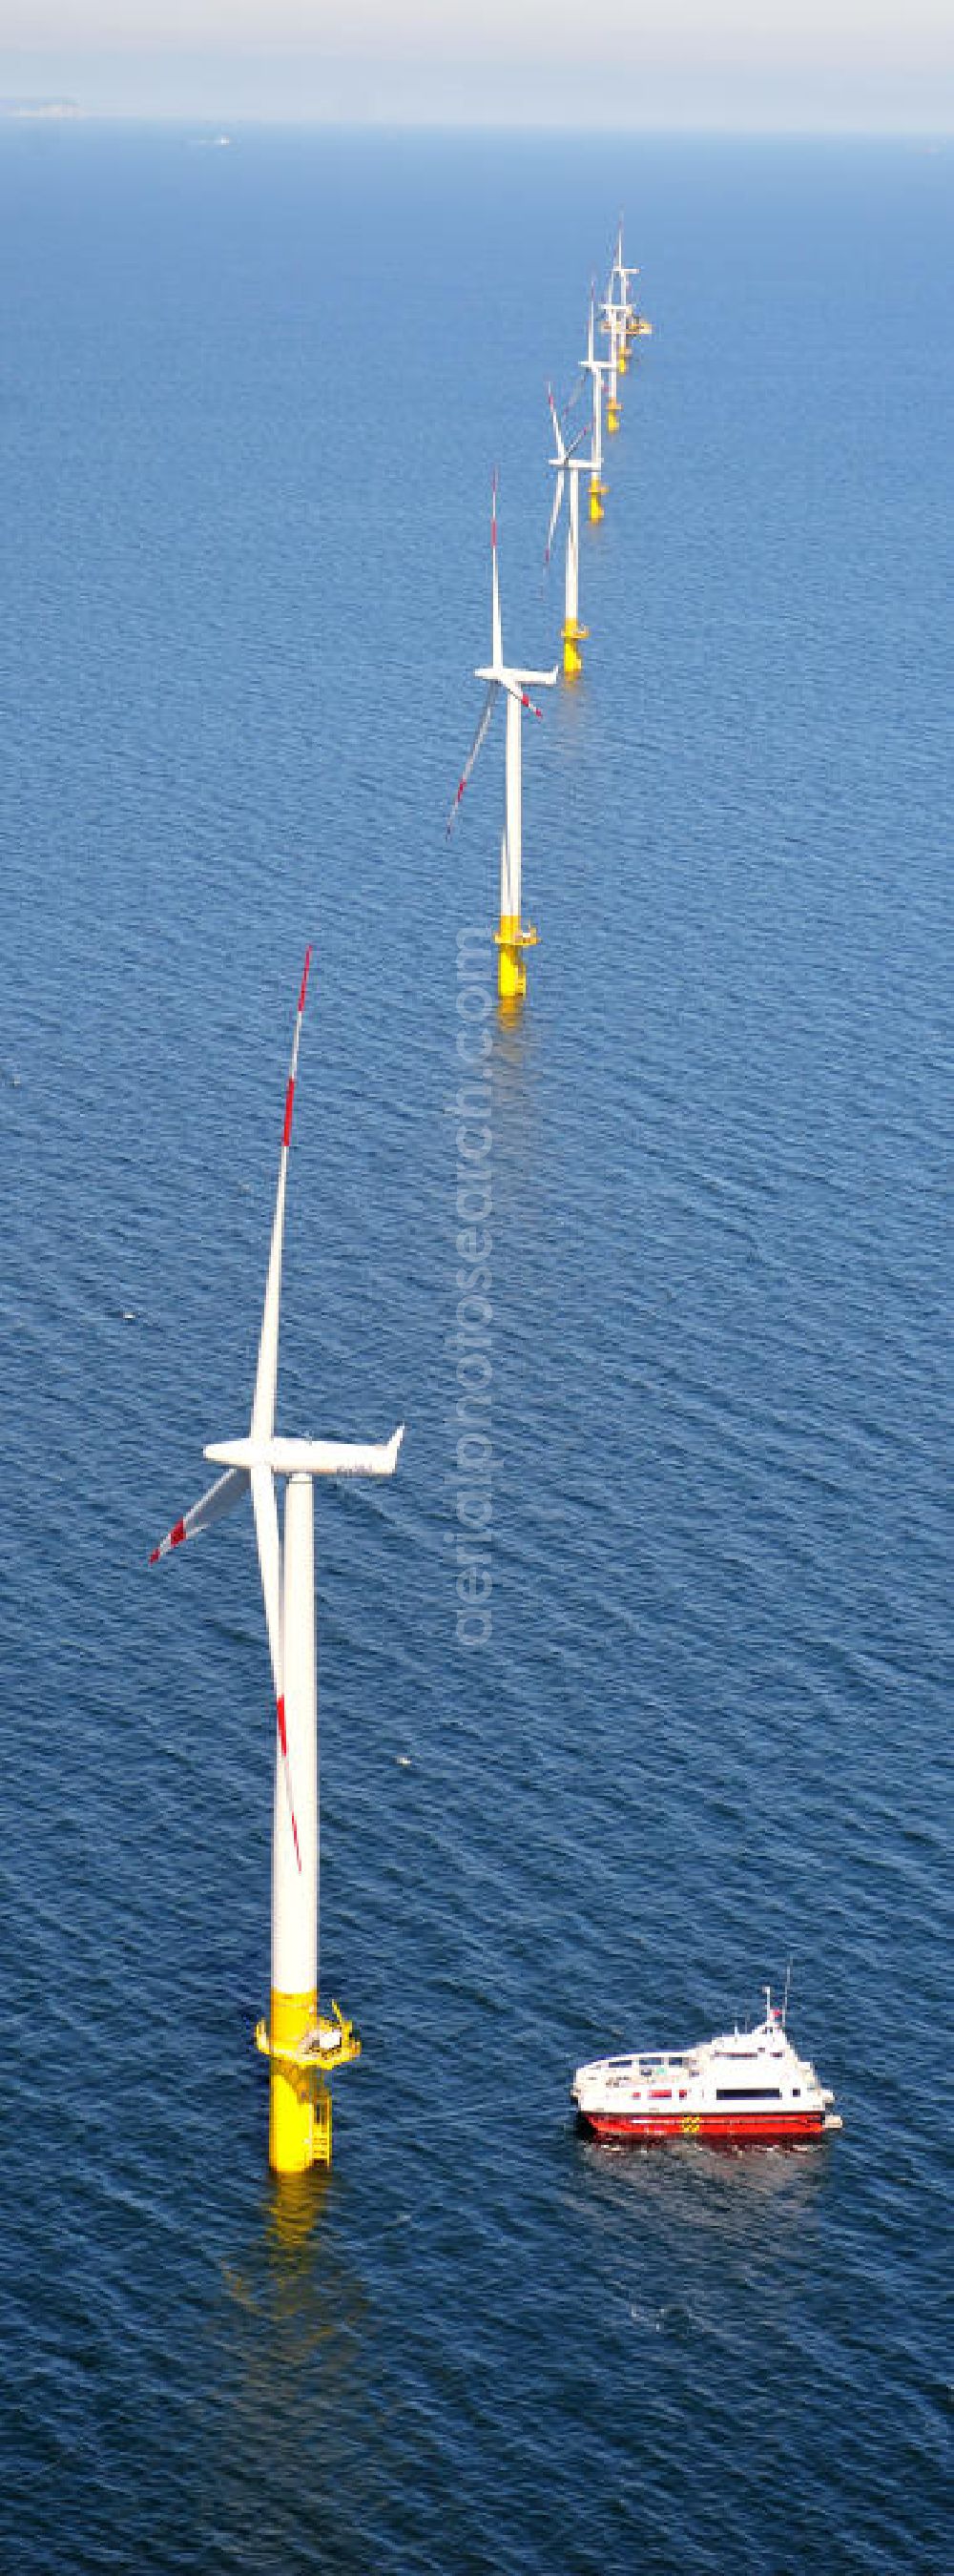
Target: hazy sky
853,64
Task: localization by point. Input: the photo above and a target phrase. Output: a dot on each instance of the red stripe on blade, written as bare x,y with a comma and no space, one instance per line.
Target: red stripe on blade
304,982
289,1105
177,1535
283,1741
156,1554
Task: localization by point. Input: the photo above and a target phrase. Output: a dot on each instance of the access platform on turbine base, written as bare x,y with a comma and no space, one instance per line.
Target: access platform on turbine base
511,940
572,635
300,2102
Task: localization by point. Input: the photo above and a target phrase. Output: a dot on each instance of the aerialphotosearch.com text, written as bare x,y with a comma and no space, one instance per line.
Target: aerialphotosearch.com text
470,1343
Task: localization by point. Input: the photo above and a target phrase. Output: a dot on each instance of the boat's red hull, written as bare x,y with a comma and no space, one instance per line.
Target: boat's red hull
715,2129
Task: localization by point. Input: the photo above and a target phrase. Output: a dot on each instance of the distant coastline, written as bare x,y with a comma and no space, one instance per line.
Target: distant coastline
33,109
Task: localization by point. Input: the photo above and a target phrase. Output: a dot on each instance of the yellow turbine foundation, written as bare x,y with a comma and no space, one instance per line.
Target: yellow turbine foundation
612,415
573,635
622,362
512,942
291,2109
597,498
302,2048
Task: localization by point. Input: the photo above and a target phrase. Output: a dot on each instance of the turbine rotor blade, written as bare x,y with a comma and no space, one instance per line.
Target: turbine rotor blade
555,513
476,748
496,633
514,690
286,1774
557,429
266,1375
221,1497
265,1508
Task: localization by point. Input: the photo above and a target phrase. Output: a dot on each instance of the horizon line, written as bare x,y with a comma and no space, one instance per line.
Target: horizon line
56,109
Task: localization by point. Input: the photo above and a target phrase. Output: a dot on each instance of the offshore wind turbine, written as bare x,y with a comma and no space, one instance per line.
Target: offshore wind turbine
636,325
611,325
596,368
512,938
618,303
617,311
303,2044
568,468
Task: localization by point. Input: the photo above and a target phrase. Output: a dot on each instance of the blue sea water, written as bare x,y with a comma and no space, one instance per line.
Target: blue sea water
249,404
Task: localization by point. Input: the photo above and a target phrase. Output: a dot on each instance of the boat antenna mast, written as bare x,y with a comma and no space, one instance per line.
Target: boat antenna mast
788,1981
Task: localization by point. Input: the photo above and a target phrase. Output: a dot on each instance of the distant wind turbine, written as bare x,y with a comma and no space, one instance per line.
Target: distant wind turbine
636,325
595,368
618,303
568,467
612,324
302,2044
512,938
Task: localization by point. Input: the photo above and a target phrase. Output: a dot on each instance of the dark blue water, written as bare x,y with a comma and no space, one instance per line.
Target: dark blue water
249,401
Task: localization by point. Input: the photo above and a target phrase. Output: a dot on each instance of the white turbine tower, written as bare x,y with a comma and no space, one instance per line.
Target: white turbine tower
512,938
568,468
302,2044
596,368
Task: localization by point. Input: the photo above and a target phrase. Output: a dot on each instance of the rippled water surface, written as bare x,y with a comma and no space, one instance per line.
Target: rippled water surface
249,402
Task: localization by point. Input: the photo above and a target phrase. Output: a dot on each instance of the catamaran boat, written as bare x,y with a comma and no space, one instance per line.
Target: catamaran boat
746,2089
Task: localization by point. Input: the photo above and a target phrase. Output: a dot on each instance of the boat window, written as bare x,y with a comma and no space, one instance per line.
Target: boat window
661,2097
748,2093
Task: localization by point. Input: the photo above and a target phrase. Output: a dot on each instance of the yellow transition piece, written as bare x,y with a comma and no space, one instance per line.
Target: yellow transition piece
512,942
572,636
303,2047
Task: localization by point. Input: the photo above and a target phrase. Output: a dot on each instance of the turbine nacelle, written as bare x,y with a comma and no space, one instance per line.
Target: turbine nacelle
498,675
309,1457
